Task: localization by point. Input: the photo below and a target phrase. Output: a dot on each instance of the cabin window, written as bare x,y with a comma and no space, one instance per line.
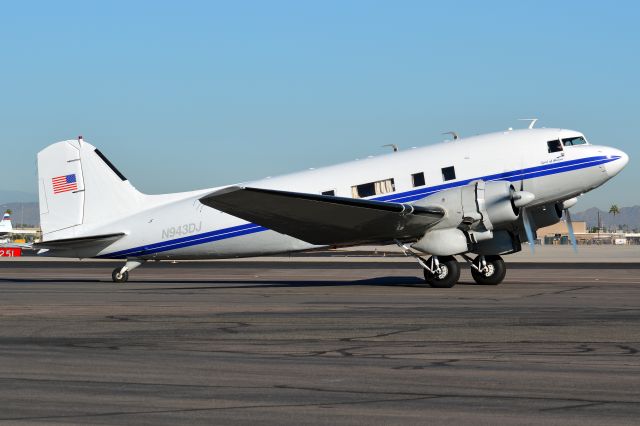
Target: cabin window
579,140
330,192
373,188
418,179
448,173
554,146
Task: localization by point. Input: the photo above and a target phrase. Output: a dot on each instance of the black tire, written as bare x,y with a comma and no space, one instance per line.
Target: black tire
117,277
449,273
495,274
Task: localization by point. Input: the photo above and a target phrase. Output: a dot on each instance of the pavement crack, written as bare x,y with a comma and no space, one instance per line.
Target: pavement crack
574,406
204,409
376,336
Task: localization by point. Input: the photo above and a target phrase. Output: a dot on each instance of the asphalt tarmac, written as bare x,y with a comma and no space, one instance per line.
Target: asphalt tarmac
324,343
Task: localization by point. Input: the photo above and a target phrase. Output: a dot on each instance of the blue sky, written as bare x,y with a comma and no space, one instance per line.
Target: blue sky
185,95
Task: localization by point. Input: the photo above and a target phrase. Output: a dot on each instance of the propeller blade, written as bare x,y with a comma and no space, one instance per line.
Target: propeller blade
528,230
572,236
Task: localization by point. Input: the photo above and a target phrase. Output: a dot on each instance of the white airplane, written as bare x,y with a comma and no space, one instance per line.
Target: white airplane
481,195
5,225
6,230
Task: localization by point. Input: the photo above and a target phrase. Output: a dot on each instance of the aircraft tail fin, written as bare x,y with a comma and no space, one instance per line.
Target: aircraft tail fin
5,224
81,191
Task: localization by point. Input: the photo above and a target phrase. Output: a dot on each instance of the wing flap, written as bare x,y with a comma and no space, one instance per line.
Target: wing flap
325,220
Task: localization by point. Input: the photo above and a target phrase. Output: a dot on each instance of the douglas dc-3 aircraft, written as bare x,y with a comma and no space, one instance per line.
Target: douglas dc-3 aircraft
481,195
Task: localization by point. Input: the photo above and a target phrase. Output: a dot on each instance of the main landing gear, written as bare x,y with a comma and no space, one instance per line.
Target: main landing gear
444,271
488,270
121,275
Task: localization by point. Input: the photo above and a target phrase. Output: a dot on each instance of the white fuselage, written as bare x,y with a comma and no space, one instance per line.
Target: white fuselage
178,226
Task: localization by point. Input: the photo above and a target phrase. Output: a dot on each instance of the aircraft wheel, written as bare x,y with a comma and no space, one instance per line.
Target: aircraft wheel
494,272
118,277
446,276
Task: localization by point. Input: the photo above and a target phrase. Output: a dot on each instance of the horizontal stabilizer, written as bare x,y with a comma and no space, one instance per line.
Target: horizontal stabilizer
322,219
81,242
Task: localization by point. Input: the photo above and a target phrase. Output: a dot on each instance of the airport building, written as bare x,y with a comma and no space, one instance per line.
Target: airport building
558,234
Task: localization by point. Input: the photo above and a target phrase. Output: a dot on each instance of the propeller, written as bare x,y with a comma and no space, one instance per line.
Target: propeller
572,235
521,199
528,229
566,204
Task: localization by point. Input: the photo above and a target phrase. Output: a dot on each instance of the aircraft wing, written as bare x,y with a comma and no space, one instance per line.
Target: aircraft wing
322,219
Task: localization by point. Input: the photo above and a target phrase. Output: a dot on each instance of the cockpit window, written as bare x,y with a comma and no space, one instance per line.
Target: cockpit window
578,140
554,146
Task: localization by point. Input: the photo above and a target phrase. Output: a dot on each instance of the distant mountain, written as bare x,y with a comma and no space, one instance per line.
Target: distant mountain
629,216
23,213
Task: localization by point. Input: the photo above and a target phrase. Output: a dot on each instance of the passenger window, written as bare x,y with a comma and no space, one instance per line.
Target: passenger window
448,173
554,146
418,179
331,193
373,188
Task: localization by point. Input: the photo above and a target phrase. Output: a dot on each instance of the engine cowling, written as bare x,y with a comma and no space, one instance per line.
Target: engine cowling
472,214
480,206
500,203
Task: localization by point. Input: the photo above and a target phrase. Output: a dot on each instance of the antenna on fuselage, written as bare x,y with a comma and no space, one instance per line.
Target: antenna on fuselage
452,133
532,121
392,145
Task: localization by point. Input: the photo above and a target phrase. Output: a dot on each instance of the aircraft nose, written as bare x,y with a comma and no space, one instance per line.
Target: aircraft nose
619,160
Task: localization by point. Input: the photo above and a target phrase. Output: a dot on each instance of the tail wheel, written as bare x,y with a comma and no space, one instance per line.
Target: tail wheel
446,275
119,277
491,273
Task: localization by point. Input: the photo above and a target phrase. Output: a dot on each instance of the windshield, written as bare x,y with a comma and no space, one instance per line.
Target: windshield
578,140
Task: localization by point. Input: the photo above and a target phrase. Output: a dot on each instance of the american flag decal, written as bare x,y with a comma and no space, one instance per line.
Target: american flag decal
64,184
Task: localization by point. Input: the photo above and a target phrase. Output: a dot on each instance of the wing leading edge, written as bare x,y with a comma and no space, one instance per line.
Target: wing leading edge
325,220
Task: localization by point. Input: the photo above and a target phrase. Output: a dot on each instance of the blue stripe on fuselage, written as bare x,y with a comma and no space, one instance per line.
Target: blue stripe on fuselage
207,237
529,173
407,196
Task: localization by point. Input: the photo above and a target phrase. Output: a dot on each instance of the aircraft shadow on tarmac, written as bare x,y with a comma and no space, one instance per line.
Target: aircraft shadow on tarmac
213,284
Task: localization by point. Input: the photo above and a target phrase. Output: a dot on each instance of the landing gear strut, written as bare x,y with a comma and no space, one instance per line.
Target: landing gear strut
439,271
121,275
488,270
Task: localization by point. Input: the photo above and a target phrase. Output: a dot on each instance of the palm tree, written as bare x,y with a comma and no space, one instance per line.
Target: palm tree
614,210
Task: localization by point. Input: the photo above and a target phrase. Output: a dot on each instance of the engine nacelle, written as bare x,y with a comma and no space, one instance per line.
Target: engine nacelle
478,217
546,215
500,203
503,242
443,242
479,206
